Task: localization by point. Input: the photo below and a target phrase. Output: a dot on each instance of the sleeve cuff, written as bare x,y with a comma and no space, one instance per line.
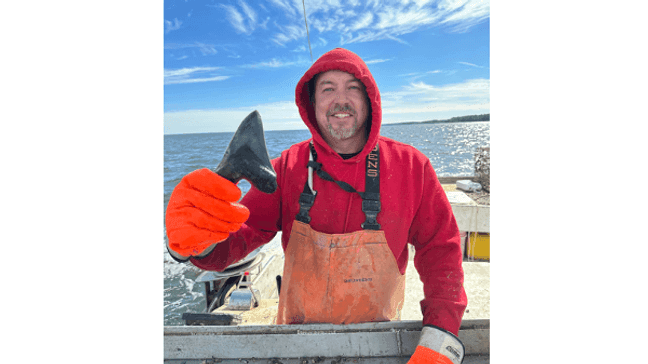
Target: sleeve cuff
177,257
182,259
442,342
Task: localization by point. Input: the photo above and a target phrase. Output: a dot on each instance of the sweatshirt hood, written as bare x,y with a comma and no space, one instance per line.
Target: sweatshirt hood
347,61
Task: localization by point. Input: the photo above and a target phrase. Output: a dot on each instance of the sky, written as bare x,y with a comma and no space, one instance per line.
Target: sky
225,59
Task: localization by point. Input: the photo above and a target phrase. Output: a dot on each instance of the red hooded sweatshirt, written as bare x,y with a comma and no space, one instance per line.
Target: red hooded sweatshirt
414,206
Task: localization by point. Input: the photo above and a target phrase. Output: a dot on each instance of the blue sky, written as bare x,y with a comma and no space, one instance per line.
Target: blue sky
224,59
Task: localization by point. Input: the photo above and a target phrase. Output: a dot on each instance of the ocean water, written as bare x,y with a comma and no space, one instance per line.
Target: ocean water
450,147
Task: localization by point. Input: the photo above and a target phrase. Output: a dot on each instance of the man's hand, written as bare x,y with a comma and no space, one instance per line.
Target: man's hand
202,211
437,346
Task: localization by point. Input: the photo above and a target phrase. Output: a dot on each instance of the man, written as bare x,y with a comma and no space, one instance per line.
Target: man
346,216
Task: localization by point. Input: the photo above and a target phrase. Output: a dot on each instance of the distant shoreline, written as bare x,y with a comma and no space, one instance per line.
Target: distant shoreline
456,119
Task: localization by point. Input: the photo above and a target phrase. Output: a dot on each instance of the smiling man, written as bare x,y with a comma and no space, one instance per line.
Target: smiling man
346,233
341,110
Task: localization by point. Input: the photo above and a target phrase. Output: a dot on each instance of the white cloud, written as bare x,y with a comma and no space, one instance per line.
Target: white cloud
470,64
236,19
377,61
204,48
304,47
187,71
411,77
405,21
242,24
172,25
346,14
373,3
369,36
196,80
389,36
264,25
275,63
321,6
325,25
251,14
284,5
421,3
192,75
363,22
289,33
301,48
464,14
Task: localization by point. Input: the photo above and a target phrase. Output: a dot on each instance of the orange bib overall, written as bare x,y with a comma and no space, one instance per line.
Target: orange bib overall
340,278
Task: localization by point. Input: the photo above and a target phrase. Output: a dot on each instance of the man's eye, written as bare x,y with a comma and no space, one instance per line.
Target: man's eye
327,89
354,87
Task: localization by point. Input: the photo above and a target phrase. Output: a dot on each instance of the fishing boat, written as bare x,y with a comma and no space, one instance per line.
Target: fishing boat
237,324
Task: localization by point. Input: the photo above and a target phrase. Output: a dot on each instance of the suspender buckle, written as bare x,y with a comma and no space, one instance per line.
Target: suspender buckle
306,201
371,208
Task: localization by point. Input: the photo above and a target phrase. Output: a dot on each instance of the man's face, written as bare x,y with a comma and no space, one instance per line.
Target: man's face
341,107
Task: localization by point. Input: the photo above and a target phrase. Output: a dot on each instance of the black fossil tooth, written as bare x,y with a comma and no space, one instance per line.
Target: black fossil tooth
247,156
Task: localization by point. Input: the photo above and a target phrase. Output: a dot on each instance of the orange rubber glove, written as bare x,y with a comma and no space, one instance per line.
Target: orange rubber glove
437,346
202,211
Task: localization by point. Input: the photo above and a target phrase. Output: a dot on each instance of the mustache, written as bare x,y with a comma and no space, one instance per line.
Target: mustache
340,108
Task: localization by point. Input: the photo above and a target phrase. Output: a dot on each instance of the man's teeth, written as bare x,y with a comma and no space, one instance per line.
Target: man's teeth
342,115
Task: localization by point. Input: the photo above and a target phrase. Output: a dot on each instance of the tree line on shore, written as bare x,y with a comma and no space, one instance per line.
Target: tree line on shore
456,119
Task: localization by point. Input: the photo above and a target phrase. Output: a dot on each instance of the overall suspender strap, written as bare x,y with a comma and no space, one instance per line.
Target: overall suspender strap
370,198
307,198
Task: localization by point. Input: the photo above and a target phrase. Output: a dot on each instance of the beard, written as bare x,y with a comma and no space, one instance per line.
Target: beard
344,133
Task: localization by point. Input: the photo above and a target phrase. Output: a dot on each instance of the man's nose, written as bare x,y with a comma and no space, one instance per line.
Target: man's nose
341,95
